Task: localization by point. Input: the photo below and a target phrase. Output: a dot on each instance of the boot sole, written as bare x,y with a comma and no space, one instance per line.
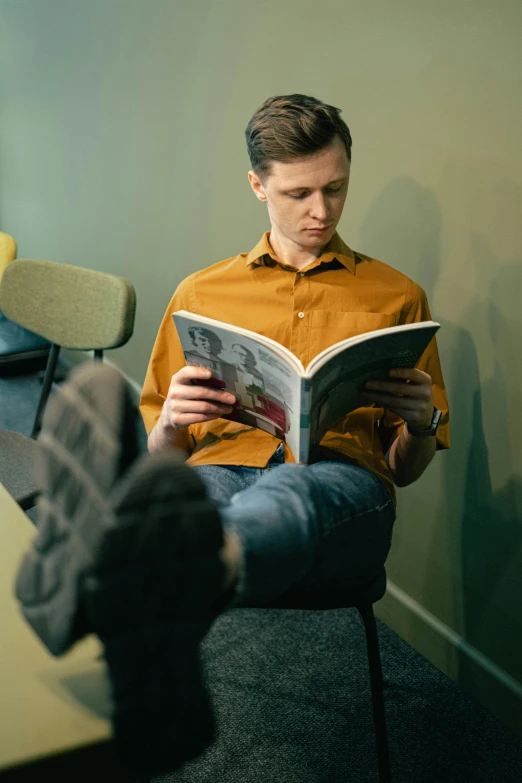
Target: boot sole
134,558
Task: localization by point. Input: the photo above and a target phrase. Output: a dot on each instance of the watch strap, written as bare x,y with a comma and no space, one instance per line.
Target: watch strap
429,431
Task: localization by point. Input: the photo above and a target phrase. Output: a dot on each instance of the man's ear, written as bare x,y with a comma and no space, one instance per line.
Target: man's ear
256,186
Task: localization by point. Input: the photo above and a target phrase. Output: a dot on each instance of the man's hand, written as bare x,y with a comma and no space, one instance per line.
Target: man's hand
408,393
188,401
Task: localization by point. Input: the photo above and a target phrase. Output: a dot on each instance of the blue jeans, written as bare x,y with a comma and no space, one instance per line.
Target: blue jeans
311,527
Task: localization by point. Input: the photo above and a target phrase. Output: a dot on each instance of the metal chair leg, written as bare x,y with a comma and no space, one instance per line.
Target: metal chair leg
376,684
50,370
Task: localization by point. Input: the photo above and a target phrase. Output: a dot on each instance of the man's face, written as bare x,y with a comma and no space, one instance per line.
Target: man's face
306,194
241,357
206,344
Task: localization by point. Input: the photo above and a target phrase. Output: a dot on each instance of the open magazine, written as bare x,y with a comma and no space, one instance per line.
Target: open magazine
276,393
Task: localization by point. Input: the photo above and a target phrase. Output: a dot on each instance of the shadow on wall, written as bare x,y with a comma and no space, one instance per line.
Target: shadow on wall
492,516
482,528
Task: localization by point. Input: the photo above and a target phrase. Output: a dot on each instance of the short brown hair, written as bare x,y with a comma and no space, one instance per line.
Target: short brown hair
292,126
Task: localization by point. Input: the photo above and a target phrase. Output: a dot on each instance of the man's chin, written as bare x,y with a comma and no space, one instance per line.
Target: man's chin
313,239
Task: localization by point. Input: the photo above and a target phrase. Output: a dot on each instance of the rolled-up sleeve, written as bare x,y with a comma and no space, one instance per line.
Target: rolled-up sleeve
167,358
416,309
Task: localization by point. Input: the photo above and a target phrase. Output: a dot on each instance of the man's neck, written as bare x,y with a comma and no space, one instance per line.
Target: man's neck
292,254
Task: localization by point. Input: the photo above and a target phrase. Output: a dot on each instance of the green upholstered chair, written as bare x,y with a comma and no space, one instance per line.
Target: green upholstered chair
73,308
20,349
362,598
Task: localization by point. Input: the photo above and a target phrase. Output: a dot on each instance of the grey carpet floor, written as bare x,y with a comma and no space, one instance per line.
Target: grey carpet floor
291,694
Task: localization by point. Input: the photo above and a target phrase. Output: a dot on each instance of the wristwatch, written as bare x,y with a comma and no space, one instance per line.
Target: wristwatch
431,430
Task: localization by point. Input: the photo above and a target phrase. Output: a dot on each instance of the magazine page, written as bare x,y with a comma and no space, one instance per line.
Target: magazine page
322,358
304,438
336,385
266,388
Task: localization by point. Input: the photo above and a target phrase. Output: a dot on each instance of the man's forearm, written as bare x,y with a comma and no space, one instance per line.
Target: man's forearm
163,438
409,456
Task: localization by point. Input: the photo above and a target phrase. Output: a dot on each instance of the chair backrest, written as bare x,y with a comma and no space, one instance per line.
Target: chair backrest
70,306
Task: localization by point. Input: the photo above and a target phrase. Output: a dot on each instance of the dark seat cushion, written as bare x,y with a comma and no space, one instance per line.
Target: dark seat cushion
337,598
17,343
17,460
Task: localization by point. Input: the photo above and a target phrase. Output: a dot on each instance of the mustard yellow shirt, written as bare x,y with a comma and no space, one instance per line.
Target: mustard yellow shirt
338,295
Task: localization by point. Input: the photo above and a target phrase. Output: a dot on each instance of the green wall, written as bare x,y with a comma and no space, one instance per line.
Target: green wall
122,149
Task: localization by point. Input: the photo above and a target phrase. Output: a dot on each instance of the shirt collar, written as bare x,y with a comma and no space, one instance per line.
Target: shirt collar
336,248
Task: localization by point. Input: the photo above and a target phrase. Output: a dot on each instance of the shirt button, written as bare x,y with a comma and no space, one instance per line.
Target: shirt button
302,274
300,315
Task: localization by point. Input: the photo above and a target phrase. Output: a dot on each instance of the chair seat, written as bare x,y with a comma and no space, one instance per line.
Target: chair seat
17,459
17,343
337,598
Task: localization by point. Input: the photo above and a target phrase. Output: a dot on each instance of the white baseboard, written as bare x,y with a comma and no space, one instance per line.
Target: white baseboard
134,385
78,357
488,683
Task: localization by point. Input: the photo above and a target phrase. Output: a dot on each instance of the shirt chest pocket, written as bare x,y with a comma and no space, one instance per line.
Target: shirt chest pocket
328,327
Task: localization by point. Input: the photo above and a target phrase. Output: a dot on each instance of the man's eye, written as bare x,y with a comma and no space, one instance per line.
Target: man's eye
304,195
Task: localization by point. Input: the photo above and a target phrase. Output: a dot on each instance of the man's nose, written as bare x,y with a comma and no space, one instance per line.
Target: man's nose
318,208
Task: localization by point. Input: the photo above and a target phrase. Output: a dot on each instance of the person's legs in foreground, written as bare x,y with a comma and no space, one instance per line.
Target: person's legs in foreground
136,550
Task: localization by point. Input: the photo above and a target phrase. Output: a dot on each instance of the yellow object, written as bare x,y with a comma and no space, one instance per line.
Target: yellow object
7,251
54,705
338,295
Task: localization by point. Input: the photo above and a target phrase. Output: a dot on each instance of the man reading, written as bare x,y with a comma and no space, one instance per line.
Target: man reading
148,549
